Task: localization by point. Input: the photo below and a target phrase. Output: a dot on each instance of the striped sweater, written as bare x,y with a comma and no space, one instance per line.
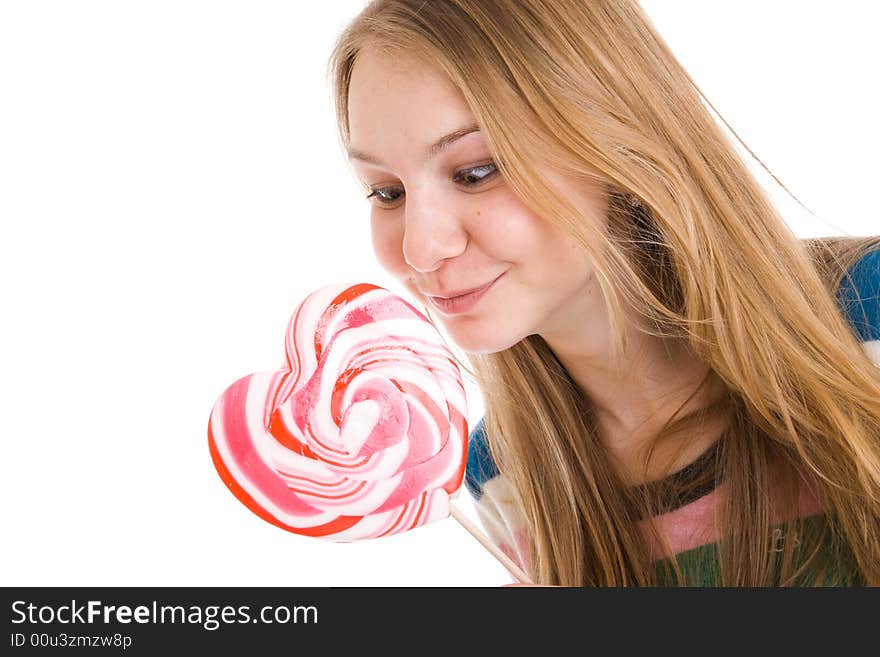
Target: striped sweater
695,545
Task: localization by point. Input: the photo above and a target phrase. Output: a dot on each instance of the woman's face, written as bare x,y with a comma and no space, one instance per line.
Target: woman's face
443,219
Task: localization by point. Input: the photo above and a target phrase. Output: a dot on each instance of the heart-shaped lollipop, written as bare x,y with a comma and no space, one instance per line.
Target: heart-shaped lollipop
362,434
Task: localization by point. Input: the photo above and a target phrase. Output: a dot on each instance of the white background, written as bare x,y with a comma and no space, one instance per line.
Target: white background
171,186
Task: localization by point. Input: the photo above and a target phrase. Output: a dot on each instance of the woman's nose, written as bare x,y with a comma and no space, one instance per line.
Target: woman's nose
431,235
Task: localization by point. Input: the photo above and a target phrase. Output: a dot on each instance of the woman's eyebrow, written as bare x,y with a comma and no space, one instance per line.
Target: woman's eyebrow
431,151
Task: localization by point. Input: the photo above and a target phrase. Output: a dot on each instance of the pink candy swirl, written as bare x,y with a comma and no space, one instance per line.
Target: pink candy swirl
362,434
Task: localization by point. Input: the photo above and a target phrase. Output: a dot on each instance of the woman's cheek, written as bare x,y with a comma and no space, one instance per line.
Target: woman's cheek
388,245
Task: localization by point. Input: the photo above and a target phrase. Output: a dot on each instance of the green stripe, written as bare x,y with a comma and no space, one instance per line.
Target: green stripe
700,565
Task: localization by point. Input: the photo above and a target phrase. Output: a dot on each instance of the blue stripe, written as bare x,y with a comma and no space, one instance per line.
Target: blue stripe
858,296
480,466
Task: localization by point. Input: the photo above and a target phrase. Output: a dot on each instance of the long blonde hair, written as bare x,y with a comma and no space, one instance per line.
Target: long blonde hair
591,89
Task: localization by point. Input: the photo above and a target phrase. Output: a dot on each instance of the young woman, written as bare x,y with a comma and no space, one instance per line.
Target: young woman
678,390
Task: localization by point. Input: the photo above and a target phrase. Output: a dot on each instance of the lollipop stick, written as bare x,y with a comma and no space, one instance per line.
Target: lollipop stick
508,563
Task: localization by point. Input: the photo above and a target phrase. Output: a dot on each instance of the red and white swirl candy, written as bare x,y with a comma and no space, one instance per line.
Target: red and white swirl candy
361,434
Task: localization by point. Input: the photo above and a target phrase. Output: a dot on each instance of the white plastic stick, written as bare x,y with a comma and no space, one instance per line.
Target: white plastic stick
508,563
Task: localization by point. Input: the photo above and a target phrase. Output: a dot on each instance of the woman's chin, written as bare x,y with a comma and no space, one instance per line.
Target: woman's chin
480,342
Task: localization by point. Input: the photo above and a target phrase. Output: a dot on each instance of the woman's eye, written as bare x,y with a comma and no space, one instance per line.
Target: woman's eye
472,177
380,195
468,174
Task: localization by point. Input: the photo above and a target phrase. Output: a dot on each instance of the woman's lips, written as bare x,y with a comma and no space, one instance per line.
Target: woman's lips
465,302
